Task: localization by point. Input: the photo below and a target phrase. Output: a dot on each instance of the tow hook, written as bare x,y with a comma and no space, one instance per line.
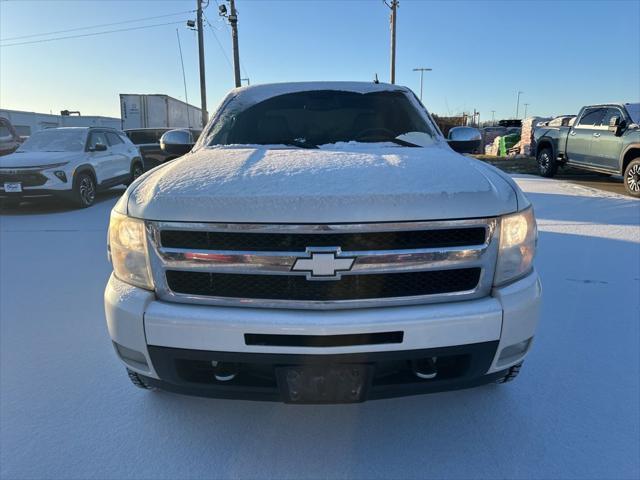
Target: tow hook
425,368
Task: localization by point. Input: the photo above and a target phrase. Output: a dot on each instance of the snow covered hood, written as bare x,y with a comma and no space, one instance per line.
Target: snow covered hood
334,184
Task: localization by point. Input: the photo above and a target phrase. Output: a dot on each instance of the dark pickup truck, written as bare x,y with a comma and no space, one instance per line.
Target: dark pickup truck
603,138
148,141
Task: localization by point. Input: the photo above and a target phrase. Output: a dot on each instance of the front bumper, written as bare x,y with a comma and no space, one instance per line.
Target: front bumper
172,344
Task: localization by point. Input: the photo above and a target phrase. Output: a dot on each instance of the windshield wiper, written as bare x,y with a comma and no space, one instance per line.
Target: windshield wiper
395,140
301,143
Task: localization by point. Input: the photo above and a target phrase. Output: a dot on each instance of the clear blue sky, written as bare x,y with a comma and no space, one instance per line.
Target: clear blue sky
561,54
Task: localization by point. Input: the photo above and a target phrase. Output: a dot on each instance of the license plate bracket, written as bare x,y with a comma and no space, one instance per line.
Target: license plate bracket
343,383
13,187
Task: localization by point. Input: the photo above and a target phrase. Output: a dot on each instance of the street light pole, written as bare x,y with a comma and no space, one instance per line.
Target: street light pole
518,104
493,118
525,109
203,86
422,70
233,21
394,15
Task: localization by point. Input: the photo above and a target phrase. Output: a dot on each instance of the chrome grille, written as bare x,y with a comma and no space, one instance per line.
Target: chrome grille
246,264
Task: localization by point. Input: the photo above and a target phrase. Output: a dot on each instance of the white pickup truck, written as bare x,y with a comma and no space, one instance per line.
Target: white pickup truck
321,243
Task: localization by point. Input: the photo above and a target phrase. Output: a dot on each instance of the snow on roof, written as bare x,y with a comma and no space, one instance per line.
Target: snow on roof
252,94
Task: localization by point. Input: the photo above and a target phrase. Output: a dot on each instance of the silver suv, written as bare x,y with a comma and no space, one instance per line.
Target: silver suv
70,163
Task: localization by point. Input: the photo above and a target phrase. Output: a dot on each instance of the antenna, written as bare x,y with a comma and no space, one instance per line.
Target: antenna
375,78
184,81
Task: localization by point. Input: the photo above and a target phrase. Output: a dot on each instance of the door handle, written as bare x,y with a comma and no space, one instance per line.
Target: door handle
596,134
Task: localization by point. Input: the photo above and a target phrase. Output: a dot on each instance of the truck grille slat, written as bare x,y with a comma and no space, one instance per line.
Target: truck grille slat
297,288
298,242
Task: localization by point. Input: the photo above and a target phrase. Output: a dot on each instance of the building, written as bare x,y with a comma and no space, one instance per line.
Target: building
27,123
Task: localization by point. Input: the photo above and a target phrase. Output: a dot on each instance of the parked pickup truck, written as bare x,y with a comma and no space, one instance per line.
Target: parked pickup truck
603,138
321,243
148,142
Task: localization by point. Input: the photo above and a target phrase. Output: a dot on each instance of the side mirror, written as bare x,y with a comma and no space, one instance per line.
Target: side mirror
465,139
176,142
616,125
98,147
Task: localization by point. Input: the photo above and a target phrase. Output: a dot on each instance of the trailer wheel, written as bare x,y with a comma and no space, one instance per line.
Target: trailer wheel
511,375
547,164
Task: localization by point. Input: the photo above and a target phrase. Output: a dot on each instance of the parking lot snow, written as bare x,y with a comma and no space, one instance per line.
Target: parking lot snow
67,409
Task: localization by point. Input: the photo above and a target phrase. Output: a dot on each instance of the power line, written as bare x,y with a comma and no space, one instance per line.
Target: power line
218,40
95,26
91,34
229,29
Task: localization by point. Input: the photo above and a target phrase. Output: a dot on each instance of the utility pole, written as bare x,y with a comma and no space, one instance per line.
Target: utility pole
203,87
394,15
525,109
518,104
493,118
421,70
233,21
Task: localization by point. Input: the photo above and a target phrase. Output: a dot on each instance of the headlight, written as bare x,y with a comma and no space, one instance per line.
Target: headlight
128,251
518,236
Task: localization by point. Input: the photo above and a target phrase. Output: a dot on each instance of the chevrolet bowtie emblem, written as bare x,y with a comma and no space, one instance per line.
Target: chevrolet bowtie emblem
323,263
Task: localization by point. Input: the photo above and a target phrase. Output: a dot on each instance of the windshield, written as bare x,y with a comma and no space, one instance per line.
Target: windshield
55,140
321,117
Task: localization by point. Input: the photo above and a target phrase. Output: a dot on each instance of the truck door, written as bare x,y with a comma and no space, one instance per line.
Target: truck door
606,146
582,134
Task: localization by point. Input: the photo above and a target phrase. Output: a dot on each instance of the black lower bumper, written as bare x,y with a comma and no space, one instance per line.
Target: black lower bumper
191,372
36,193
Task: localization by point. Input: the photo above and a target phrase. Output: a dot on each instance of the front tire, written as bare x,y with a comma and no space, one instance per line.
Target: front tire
547,164
84,190
139,381
632,178
511,375
137,169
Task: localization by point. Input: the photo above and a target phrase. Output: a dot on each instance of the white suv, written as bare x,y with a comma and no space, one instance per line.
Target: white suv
71,163
321,243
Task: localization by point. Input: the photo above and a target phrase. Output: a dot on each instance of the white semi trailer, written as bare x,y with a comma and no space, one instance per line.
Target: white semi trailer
157,111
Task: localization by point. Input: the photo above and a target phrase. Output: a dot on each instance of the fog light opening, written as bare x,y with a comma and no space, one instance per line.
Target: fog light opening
61,175
224,371
425,368
514,352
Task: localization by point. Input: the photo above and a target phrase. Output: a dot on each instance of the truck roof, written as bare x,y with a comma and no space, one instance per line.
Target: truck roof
252,94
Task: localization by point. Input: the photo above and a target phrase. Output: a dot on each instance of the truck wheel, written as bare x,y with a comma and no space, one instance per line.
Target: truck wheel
547,165
138,381
632,178
84,190
511,375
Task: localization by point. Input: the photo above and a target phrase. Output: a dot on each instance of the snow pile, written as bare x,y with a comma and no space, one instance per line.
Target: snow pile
67,409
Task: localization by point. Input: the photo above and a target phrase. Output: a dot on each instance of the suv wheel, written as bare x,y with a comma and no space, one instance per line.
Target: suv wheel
547,165
136,170
632,178
511,375
138,380
84,190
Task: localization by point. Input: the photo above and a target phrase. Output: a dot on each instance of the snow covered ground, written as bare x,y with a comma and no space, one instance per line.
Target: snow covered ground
67,409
